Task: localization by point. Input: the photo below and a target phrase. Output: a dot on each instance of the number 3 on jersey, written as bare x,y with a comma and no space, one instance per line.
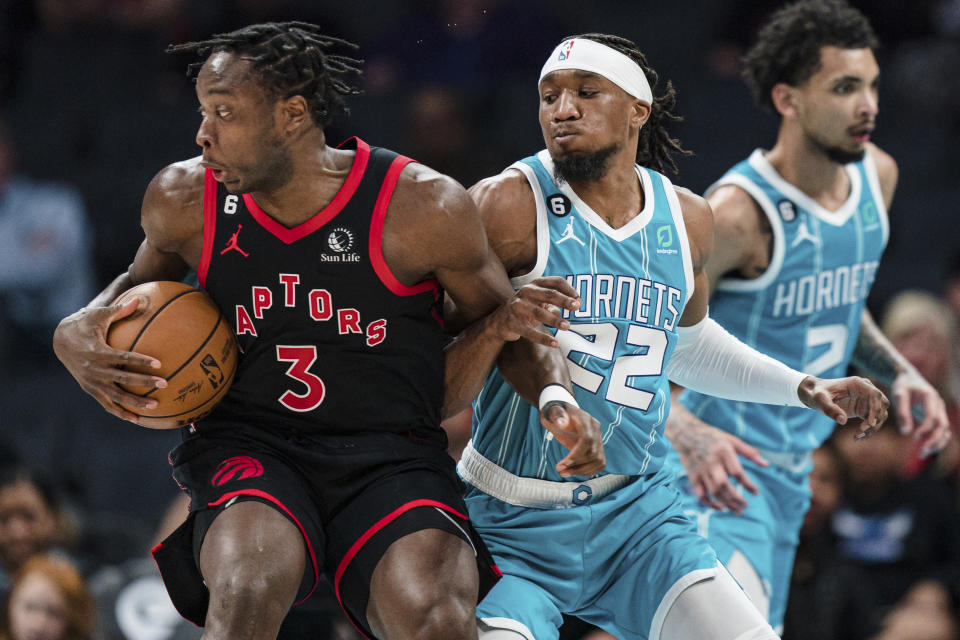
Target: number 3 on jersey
600,341
302,358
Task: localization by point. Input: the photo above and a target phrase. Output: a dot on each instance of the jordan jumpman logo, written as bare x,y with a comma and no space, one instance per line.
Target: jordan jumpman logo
232,243
568,234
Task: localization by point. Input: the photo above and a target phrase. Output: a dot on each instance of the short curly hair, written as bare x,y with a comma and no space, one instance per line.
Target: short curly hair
290,58
788,44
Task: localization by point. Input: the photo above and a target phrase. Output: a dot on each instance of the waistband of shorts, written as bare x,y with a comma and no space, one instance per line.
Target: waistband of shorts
534,493
793,461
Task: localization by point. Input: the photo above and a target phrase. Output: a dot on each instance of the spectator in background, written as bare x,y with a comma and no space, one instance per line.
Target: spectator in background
31,521
923,329
927,612
951,295
812,609
892,533
45,255
49,601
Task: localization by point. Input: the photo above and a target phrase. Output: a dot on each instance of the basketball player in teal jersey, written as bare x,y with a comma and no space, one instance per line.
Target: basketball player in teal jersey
799,234
615,549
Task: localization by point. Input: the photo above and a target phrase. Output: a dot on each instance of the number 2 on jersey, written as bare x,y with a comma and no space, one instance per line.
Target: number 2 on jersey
600,341
302,358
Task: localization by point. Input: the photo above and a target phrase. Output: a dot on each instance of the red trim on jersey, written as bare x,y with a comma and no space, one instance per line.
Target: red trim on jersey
376,235
266,496
209,224
325,215
355,548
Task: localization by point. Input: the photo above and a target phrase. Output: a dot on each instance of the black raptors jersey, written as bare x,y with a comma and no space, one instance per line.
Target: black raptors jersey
331,340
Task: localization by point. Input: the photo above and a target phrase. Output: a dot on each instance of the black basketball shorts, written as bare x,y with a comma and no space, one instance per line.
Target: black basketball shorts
350,497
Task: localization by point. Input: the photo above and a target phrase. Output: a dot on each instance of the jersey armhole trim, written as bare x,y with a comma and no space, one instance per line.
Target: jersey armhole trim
677,212
776,226
209,225
873,180
542,227
376,235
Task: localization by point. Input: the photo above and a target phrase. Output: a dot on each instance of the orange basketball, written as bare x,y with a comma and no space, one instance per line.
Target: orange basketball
183,328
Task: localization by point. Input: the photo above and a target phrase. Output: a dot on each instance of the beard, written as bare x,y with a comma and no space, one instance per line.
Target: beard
842,156
583,167
838,155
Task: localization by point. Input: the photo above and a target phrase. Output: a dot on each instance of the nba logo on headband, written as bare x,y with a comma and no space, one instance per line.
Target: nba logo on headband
598,58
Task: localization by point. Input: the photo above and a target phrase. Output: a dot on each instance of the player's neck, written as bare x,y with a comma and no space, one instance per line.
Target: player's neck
616,197
318,174
807,167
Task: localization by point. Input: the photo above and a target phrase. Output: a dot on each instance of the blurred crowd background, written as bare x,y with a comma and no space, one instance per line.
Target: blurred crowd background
91,107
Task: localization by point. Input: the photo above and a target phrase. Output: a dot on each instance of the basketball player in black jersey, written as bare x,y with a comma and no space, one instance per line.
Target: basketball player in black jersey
326,457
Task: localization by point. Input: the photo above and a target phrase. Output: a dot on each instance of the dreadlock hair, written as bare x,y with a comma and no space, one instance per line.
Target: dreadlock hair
656,147
290,58
788,44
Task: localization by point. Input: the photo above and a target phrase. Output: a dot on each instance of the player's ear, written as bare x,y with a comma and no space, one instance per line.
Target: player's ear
295,114
640,113
784,99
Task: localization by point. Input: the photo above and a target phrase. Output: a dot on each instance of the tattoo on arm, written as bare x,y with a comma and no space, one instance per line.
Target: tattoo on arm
874,355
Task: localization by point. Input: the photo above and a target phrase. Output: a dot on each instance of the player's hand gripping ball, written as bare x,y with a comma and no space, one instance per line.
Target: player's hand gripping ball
183,328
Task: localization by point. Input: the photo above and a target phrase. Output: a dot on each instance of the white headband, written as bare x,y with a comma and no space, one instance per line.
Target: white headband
590,55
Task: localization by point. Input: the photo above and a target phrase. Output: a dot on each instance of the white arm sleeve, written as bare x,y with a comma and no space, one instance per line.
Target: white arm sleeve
710,360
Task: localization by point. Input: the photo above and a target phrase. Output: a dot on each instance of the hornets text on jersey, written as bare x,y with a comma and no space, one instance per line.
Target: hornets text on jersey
633,283
331,340
805,309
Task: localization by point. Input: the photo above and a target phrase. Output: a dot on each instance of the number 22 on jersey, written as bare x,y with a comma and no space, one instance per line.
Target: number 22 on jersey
599,341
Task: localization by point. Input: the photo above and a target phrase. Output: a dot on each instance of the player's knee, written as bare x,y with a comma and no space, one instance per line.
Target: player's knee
246,588
435,616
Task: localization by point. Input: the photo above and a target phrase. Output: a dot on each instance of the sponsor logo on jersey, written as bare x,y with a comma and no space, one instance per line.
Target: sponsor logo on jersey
665,239
236,468
341,242
788,210
868,213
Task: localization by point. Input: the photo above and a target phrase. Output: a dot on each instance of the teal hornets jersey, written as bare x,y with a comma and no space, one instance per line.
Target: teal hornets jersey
805,309
633,283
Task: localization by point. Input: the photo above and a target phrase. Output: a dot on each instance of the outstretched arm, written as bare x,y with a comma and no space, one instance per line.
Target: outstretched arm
920,409
711,456
710,360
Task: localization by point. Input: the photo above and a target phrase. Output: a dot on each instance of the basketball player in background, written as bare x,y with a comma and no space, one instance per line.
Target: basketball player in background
799,234
326,455
616,549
